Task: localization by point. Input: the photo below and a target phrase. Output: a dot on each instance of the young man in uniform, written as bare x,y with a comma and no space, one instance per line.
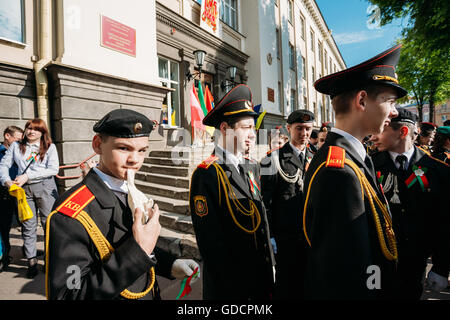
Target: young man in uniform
347,226
441,145
416,187
7,202
96,247
227,210
282,173
426,136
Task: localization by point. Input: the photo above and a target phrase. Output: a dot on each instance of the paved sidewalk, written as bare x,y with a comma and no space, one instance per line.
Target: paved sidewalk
14,284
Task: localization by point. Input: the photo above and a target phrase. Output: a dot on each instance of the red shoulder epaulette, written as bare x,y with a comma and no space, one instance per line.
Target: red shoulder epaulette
76,202
336,157
208,161
270,151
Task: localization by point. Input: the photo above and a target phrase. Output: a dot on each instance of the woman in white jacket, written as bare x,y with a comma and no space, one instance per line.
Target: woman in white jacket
37,160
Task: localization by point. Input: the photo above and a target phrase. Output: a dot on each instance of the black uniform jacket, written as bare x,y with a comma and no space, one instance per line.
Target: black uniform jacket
281,198
70,245
236,264
340,226
421,219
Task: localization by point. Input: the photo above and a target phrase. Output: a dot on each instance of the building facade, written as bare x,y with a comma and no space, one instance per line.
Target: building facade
69,62
290,47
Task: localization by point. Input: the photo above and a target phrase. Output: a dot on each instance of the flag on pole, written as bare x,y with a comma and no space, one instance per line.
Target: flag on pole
201,99
209,100
174,123
196,112
260,119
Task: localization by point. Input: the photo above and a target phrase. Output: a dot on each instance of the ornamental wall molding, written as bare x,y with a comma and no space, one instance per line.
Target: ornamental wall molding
314,13
181,24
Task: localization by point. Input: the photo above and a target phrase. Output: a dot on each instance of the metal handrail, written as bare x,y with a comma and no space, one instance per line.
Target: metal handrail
81,165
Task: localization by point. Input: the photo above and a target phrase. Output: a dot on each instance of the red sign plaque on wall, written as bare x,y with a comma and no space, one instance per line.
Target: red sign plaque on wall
118,37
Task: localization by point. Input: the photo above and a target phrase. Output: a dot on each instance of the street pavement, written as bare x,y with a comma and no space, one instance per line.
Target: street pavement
14,285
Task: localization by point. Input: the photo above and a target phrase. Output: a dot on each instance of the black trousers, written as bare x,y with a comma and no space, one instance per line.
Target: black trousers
8,209
290,269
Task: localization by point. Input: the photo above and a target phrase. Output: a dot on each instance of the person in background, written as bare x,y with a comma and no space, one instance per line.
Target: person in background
324,129
282,174
8,203
37,161
415,186
426,136
441,146
277,138
313,140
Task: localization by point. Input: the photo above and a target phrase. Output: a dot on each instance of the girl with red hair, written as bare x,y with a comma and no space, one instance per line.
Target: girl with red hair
37,161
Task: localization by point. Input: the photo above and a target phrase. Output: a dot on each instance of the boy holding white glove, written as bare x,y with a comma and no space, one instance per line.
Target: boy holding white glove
99,245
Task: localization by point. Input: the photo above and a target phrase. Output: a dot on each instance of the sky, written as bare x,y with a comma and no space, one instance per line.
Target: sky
357,39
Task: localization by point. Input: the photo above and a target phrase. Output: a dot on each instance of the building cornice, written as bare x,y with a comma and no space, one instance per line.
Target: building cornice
316,14
181,24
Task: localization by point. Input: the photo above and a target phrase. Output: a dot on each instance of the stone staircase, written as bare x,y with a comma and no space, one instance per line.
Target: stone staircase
165,177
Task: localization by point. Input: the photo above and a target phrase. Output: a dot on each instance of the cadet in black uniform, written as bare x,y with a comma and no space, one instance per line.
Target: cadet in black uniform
282,174
441,146
426,136
94,249
417,187
352,251
227,210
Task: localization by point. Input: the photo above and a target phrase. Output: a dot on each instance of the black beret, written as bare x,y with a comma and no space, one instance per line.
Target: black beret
300,116
124,123
405,116
427,126
379,69
236,103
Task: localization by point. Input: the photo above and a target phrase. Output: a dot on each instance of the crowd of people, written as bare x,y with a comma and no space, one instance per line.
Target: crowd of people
353,210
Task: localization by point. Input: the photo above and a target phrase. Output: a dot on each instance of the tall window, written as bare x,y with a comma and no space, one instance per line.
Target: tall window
291,11
12,20
305,102
228,13
169,77
315,109
291,56
313,74
302,26
293,100
304,68
312,41
278,43
326,61
280,96
320,51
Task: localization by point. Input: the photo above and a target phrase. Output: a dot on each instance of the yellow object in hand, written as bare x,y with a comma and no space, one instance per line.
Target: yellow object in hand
24,211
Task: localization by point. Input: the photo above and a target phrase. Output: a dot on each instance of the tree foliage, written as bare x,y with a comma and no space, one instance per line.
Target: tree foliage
424,66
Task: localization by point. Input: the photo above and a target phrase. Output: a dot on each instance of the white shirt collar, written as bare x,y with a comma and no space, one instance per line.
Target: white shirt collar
408,155
359,147
230,157
113,183
297,151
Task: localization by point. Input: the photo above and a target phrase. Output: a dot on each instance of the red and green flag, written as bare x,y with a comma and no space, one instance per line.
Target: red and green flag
186,285
418,175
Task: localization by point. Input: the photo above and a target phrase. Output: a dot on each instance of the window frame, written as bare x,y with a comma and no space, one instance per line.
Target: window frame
169,94
227,3
22,41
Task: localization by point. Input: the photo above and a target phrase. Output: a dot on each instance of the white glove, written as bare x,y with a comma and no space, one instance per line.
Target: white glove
435,282
183,268
136,198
